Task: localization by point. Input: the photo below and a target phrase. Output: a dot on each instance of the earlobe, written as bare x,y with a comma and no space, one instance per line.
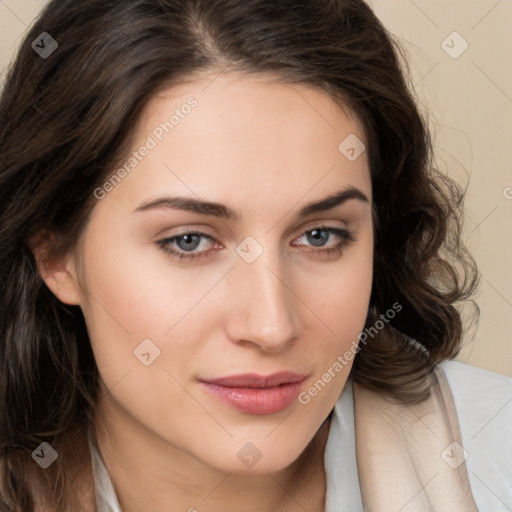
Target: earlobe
59,274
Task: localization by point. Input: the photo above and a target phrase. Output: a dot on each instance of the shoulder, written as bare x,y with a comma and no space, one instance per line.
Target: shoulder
483,400
466,375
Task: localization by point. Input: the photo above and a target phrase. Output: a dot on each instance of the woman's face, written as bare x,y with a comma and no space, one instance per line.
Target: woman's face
261,288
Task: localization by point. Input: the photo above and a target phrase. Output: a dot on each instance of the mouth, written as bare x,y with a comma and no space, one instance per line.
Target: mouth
256,394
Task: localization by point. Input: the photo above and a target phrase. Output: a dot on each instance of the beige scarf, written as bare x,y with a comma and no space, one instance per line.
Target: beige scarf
410,458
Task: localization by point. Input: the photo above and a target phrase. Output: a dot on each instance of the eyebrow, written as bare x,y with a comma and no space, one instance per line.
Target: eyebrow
224,212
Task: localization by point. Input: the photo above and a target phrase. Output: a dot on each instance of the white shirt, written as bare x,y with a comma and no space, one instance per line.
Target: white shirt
483,401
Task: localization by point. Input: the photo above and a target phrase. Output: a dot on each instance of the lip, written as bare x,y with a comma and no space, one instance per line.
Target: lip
256,394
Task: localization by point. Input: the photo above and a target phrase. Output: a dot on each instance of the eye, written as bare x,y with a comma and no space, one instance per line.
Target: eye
185,245
318,237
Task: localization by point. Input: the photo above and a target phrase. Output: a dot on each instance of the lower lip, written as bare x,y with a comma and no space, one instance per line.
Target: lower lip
256,400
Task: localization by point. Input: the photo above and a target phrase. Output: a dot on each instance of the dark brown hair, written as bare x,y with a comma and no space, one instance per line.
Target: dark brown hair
66,121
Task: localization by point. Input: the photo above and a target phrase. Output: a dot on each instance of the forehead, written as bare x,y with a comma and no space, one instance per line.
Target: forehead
246,131
257,101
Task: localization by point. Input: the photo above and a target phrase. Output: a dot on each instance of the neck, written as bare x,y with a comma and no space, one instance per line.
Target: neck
147,474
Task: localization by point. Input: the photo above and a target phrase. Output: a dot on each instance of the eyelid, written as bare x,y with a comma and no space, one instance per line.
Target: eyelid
317,223
308,226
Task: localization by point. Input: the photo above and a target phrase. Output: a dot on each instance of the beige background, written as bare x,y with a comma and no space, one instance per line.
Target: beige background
468,98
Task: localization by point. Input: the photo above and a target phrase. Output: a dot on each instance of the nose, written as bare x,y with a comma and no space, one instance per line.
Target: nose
263,307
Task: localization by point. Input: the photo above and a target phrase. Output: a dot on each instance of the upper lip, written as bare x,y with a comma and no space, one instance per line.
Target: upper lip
253,380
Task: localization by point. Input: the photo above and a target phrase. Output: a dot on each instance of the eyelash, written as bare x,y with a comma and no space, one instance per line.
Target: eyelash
346,239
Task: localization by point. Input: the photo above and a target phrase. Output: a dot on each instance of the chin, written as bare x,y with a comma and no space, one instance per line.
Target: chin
258,457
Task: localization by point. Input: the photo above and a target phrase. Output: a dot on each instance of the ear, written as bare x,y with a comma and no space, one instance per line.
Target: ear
59,274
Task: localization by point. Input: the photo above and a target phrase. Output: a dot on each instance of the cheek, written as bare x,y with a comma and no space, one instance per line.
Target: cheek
127,301
135,295
340,305
341,298
130,287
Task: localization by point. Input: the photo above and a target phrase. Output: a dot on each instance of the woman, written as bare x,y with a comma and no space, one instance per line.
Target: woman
231,276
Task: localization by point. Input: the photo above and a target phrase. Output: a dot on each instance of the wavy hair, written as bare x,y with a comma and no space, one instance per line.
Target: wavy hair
67,120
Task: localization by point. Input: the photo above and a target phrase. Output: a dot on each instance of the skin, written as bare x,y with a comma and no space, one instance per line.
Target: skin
265,150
